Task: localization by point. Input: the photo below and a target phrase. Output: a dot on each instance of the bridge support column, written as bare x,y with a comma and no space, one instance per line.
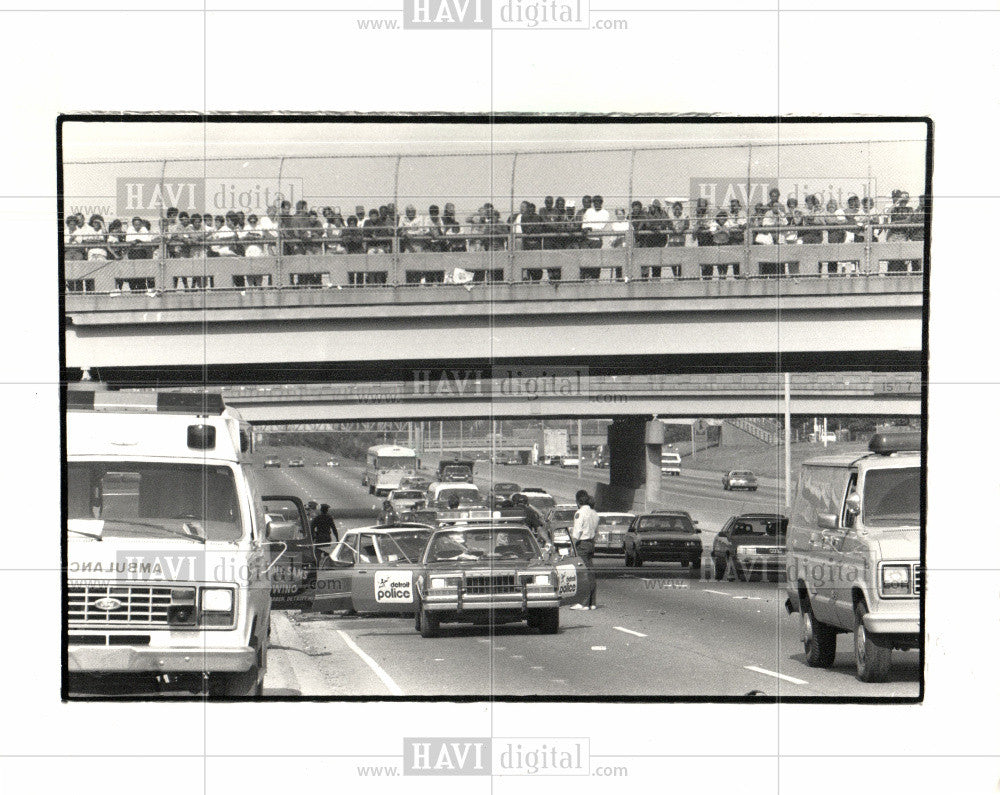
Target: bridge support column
655,436
626,440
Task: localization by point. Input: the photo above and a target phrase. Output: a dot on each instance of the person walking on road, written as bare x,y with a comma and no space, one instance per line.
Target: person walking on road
388,515
324,529
584,531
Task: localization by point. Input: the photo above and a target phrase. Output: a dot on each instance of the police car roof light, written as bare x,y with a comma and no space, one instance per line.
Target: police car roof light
889,443
204,403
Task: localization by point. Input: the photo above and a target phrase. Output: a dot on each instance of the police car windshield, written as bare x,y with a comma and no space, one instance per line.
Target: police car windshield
473,545
407,544
892,497
141,499
665,524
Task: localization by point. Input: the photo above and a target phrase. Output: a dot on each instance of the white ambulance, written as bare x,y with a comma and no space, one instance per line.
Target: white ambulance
168,564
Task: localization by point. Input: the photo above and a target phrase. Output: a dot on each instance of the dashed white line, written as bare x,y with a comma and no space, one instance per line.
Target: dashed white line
632,632
386,680
598,648
791,679
720,593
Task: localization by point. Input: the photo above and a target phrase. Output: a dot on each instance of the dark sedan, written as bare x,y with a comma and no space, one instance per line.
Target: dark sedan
663,537
751,545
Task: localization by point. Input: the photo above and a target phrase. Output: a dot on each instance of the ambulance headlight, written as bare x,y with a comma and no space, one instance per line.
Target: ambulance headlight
217,607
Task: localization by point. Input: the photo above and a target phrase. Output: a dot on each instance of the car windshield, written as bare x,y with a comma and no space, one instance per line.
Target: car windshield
485,544
665,524
408,545
892,497
540,501
760,526
148,500
407,495
564,514
465,496
615,521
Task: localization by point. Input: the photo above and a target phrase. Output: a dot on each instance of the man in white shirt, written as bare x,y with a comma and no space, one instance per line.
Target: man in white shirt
596,220
584,531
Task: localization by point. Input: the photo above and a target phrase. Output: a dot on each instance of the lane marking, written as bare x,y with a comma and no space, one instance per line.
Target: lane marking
791,679
598,648
377,669
632,632
720,593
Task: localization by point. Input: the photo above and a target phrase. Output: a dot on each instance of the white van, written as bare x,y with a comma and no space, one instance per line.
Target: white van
854,553
670,463
168,581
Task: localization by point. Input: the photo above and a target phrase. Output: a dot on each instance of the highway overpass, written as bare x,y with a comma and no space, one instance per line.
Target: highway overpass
801,320
474,396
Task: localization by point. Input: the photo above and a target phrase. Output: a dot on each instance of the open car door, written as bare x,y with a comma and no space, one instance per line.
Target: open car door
289,523
575,579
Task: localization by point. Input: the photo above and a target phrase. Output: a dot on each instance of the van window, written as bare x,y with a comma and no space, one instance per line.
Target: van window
821,490
891,497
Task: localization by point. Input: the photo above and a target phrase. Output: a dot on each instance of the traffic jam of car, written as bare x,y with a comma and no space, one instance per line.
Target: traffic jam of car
450,553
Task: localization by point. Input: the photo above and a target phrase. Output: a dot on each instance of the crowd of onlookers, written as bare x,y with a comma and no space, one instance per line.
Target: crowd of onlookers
557,224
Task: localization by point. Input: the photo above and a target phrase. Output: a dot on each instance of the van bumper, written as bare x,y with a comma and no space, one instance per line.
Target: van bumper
892,623
96,659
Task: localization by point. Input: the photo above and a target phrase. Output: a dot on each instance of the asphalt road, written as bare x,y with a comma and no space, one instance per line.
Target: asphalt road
656,632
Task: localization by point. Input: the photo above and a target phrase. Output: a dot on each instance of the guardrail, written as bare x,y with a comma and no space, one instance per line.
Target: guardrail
367,270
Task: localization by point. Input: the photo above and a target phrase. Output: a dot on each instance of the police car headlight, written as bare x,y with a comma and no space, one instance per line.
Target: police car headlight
543,579
895,580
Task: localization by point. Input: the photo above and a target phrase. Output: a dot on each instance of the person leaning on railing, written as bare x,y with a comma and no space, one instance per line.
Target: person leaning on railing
678,226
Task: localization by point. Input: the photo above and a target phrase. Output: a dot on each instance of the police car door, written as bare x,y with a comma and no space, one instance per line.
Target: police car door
334,583
575,579
385,580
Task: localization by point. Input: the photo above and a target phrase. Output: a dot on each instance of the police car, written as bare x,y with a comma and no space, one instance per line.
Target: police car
485,573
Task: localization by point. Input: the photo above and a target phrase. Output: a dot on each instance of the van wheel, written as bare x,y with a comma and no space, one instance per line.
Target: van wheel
241,684
871,655
429,624
819,639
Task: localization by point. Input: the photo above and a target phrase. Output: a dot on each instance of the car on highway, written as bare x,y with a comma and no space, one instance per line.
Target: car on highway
570,461
296,462
663,537
533,490
333,463
601,462
611,529
739,479
854,553
553,460
456,471
503,491
418,482
439,494
541,501
670,463
559,519
751,545
510,459
480,573
406,499
272,463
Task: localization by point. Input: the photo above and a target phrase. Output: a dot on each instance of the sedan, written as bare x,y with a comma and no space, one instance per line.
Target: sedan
750,545
296,462
739,479
570,461
611,529
272,463
670,538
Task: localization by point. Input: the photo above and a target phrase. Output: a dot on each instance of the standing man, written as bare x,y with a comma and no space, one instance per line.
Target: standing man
584,530
324,529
